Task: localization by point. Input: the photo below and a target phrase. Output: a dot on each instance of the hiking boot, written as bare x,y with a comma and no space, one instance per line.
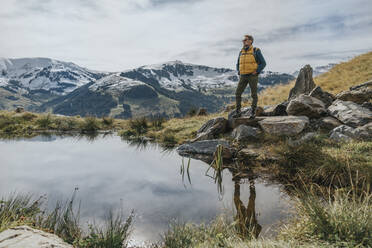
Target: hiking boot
237,114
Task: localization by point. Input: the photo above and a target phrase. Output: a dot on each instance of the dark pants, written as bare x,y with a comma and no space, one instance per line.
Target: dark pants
252,80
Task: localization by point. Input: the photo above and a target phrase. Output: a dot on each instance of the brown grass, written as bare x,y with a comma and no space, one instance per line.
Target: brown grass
340,78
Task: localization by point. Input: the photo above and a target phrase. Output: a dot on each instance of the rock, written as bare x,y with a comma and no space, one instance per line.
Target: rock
325,97
367,84
211,129
302,140
20,110
246,133
235,122
339,137
259,111
350,113
328,123
204,150
284,125
367,105
24,236
276,110
344,132
245,112
202,111
364,132
358,94
344,129
304,83
307,106
247,154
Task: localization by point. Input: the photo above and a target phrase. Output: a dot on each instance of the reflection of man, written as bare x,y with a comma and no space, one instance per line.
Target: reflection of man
250,64
246,217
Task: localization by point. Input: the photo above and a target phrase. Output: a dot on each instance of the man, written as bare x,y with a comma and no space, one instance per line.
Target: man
249,66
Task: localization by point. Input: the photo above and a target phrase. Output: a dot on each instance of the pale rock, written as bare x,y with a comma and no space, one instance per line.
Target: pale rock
304,83
350,113
307,106
27,237
284,125
246,133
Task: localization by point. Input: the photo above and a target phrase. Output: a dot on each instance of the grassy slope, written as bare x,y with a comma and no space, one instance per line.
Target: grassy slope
341,77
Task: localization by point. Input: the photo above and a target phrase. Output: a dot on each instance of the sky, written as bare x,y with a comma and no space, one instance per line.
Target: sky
114,35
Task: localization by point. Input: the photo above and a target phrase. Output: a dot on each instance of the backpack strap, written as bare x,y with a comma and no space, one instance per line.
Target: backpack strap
255,49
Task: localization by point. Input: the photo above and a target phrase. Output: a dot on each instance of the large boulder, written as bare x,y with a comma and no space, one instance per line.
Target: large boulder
284,125
276,110
205,149
211,129
326,97
246,133
328,123
367,105
358,94
304,83
24,236
347,133
307,106
364,132
350,113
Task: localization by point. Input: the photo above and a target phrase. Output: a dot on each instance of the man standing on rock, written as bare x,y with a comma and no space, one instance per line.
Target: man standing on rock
250,64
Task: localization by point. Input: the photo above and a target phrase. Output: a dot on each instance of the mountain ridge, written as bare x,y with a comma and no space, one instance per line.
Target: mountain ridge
167,89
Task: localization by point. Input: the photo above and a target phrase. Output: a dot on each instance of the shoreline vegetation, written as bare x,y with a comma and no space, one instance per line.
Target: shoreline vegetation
328,180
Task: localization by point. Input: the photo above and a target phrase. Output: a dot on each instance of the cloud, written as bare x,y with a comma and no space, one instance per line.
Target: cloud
115,35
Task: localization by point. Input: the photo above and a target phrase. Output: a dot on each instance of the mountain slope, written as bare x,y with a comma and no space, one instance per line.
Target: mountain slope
341,77
35,74
169,89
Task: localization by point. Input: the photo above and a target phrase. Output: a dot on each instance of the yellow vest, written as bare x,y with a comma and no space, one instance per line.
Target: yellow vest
247,62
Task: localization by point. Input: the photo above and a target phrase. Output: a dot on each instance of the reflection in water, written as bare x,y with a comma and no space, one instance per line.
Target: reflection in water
246,216
108,170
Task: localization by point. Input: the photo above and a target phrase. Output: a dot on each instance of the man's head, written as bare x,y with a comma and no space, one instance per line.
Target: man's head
248,40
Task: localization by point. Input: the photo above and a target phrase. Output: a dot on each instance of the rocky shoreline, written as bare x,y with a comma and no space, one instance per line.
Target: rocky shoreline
308,111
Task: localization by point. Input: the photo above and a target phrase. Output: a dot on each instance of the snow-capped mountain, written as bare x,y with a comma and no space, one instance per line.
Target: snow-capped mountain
177,76
114,83
32,74
166,89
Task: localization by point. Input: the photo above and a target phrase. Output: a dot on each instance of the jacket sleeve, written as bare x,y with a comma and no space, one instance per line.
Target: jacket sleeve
237,63
261,61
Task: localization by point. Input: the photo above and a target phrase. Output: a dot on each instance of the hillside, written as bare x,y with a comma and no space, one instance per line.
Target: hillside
341,77
168,89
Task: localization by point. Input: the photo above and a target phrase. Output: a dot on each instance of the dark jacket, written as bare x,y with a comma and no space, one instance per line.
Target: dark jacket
259,59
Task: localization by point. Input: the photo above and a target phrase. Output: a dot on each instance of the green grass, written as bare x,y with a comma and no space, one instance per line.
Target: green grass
325,162
64,221
343,217
90,125
324,218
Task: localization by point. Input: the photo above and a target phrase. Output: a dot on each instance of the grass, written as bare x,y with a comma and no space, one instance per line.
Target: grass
139,126
90,125
64,221
324,162
341,218
340,78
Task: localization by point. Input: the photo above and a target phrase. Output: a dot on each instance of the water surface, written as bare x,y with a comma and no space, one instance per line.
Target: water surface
110,173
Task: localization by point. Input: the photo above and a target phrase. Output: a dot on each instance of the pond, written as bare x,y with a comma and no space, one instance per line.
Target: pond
111,173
